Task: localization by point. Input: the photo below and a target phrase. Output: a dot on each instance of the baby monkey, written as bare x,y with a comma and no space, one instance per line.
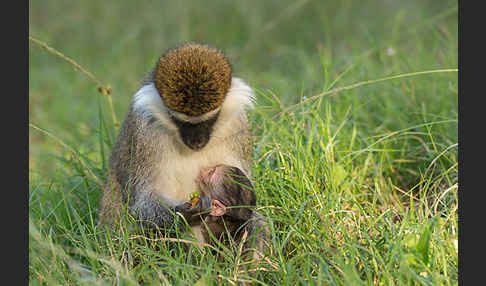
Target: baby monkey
224,207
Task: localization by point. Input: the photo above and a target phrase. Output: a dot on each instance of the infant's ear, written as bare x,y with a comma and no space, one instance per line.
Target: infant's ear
218,208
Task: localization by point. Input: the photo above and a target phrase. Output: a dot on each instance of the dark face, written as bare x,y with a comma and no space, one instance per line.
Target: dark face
195,136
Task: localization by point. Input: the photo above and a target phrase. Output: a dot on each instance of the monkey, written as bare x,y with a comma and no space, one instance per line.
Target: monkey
224,206
190,113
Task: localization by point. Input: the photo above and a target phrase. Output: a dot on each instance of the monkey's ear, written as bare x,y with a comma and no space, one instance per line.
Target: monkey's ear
218,208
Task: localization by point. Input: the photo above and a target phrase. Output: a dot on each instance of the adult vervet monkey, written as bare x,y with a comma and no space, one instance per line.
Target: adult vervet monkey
190,114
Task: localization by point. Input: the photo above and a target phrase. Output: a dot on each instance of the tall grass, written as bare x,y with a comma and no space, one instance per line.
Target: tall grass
355,127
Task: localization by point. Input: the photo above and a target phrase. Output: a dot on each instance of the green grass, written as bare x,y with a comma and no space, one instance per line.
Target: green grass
360,185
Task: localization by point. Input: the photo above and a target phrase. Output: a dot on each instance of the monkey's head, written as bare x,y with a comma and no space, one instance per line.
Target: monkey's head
227,186
193,80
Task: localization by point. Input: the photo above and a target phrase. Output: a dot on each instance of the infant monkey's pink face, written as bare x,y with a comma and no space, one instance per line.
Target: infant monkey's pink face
207,177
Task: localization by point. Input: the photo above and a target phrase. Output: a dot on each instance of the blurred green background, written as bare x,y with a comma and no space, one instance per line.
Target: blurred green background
354,182
279,46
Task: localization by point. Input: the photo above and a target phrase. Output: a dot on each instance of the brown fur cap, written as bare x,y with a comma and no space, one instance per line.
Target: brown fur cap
193,79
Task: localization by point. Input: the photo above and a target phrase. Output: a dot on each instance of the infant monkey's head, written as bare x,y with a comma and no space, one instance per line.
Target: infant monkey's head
227,186
223,190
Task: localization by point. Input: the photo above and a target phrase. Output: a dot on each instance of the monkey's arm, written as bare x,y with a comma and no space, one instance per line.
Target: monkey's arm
140,202
151,211
243,144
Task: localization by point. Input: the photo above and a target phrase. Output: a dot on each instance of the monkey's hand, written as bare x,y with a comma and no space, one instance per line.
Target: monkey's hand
184,207
188,210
